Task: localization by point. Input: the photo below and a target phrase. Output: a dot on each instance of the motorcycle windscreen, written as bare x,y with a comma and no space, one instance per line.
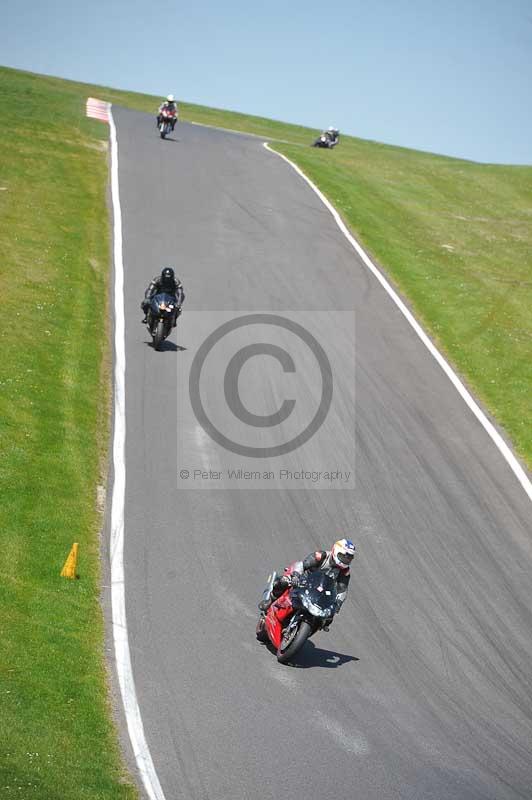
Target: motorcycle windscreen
162,299
320,588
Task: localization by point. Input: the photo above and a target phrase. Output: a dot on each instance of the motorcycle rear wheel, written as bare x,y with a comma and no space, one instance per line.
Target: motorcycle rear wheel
291,648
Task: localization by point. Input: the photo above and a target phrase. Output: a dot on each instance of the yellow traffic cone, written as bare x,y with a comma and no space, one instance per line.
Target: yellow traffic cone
69,569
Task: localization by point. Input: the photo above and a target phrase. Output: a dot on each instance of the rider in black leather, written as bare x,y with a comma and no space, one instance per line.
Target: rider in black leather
168,283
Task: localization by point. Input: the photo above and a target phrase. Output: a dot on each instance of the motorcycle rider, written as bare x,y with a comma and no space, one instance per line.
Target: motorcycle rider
328,138
168,105
333,136
168,283
335,562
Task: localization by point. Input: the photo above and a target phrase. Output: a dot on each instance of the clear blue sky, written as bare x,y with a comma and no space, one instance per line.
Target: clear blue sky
449,76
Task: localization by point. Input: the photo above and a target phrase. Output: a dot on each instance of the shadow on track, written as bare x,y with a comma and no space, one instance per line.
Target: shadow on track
166,347
312,656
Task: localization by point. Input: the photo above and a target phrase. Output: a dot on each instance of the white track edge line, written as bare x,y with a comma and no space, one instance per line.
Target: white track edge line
506,452
122,654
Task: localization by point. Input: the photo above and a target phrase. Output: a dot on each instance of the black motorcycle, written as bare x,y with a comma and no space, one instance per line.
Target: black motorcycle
161,317
325,141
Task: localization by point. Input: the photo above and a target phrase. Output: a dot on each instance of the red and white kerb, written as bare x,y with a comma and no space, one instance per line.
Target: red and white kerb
98,109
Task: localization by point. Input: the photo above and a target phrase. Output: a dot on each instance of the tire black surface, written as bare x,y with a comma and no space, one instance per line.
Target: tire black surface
260,631
304,631
158,337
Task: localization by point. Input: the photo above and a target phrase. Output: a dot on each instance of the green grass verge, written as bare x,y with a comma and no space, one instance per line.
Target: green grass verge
58,740
454,236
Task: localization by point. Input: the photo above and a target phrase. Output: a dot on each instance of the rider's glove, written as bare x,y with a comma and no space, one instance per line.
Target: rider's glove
294,579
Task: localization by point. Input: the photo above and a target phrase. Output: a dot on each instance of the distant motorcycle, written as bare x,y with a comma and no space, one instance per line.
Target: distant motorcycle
326,140
298,613
161,316
167,121
321,141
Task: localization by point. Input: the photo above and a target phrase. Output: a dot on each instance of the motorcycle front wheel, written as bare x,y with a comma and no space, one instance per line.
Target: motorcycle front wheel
158,336
288,648
260,630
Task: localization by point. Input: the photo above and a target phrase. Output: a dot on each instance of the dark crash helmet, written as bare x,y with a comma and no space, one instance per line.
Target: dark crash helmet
168,281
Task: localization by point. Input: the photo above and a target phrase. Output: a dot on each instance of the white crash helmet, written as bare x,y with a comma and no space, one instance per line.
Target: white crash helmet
170,98
342,553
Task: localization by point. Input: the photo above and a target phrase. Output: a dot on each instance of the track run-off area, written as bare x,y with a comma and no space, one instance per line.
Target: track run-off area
423,686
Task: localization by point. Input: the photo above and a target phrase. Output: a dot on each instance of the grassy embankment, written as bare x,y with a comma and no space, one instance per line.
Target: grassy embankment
456,237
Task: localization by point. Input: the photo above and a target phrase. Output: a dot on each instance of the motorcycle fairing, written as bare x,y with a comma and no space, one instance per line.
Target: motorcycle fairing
277,614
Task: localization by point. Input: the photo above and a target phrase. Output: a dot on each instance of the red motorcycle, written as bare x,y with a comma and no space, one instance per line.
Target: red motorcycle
308,605
167,121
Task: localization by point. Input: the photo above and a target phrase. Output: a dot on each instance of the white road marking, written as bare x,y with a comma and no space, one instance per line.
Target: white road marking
120,636
512,461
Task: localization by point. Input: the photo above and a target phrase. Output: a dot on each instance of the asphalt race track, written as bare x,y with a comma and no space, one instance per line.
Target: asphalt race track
423,686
